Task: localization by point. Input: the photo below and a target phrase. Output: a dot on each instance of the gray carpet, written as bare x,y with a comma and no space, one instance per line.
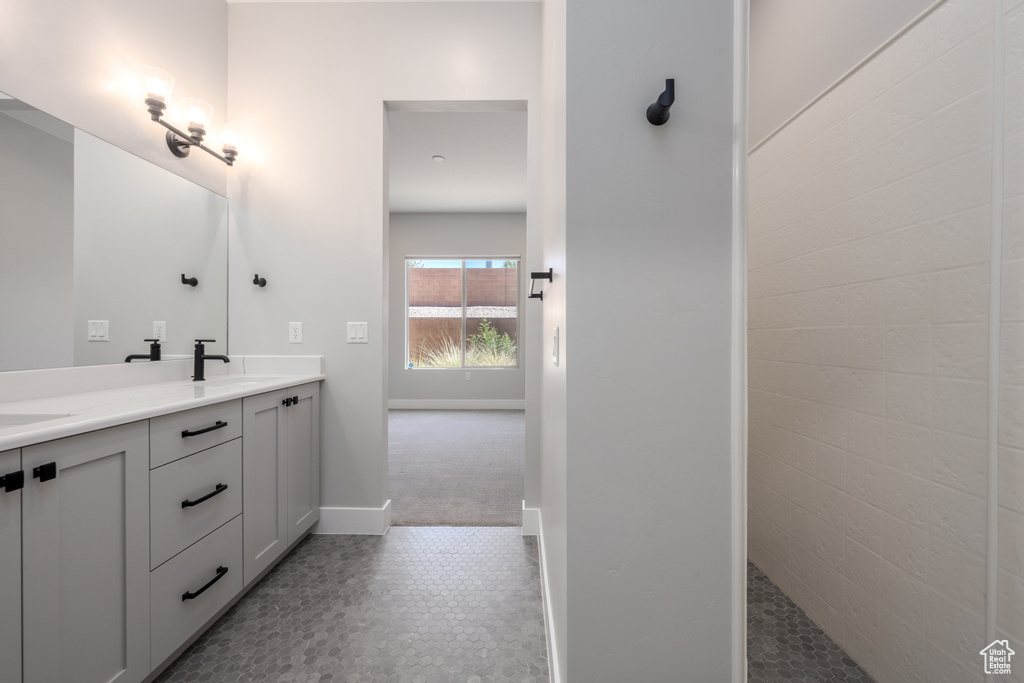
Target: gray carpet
456,467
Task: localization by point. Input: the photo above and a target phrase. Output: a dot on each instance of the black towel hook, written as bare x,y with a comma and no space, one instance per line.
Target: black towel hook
658,112
190,281
259,281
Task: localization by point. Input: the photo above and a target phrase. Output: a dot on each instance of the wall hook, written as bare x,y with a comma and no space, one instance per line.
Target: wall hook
658,112
190,281
260,281
549,276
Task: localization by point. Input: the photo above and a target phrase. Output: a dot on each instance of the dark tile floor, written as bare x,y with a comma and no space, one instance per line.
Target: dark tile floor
444,604
783,644
418,605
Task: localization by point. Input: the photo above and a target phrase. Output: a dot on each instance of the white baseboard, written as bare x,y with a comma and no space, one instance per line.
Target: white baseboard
531,520
357,521
554,672
456,404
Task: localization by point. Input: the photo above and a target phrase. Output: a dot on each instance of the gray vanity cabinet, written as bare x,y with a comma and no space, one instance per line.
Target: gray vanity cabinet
85,544
280,472
10,569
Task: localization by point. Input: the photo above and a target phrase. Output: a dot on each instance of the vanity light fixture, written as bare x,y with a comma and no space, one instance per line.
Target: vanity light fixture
158,85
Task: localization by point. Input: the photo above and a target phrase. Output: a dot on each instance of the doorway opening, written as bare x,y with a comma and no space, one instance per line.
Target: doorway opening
456,240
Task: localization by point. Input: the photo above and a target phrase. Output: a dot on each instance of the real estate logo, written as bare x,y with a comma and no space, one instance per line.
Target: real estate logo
997,657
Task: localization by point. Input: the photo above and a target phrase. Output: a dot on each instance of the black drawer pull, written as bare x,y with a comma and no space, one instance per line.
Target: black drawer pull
45,472
188,595
13,481
220,488
220,424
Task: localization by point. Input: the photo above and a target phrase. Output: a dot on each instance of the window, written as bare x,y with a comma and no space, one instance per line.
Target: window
462,313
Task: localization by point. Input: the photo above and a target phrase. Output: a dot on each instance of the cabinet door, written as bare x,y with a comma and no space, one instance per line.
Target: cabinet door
85,541
303,460
264,478
10,572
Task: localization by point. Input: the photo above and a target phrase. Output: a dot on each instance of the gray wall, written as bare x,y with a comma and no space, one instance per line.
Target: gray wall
637,503
310,212
36,242
798,48
451,234
76,60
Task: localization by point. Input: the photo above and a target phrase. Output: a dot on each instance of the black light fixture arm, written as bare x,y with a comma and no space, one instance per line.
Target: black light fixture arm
180,142
658,113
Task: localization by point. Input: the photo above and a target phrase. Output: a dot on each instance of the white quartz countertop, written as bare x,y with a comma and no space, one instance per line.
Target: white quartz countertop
59,416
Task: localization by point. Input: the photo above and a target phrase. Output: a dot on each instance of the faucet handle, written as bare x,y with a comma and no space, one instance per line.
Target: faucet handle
207,341
152,340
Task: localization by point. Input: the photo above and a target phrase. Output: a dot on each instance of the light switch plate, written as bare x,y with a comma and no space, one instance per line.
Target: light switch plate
294,333
357,333
99,330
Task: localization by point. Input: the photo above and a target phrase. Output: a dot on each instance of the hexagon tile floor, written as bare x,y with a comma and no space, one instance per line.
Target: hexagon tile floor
783,644
417,605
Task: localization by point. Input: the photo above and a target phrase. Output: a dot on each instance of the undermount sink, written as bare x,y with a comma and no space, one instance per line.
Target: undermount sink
14,419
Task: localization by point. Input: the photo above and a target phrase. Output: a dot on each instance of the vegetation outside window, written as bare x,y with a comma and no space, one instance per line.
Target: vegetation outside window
462,313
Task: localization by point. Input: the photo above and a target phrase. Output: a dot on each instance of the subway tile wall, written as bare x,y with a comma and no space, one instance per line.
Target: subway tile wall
870,228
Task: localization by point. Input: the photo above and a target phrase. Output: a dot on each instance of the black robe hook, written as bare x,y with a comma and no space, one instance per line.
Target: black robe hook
658,112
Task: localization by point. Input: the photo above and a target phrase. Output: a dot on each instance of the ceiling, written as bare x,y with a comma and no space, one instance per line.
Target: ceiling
484,169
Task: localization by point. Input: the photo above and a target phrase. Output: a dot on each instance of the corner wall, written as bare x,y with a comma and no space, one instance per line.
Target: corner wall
636,494
874,226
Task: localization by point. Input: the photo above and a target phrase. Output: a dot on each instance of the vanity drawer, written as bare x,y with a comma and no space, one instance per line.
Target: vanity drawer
191,497
172,437
175,619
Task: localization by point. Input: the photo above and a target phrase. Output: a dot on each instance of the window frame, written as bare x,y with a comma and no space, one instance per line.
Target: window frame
463,260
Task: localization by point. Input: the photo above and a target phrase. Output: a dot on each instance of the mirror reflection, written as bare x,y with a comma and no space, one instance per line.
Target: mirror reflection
93,245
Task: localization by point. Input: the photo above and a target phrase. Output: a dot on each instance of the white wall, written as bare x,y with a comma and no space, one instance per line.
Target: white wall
550,378
76,60
36,239
798,48
636,490
308,209
446,235
133,246
873,219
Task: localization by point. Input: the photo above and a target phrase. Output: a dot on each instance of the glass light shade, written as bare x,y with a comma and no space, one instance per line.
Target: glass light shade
156,83
227,135
197,112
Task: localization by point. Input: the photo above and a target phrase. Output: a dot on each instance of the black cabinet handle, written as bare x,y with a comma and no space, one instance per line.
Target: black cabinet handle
295,400
286,402
45,472
188,595
219,425
13,481
220,488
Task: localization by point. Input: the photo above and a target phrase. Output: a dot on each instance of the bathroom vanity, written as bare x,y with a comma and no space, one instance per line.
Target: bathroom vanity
132,517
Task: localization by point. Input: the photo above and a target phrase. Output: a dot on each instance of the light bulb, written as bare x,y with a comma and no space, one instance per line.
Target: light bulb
197,113
157,83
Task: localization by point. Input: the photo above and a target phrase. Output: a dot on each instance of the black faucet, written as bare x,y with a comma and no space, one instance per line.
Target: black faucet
154,352
199,373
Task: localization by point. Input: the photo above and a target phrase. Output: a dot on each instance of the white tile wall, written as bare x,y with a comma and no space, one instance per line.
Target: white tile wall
870,234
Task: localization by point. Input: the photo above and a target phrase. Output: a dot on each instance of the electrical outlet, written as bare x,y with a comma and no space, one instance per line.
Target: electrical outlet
160,330
98,330
467,376
294,333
